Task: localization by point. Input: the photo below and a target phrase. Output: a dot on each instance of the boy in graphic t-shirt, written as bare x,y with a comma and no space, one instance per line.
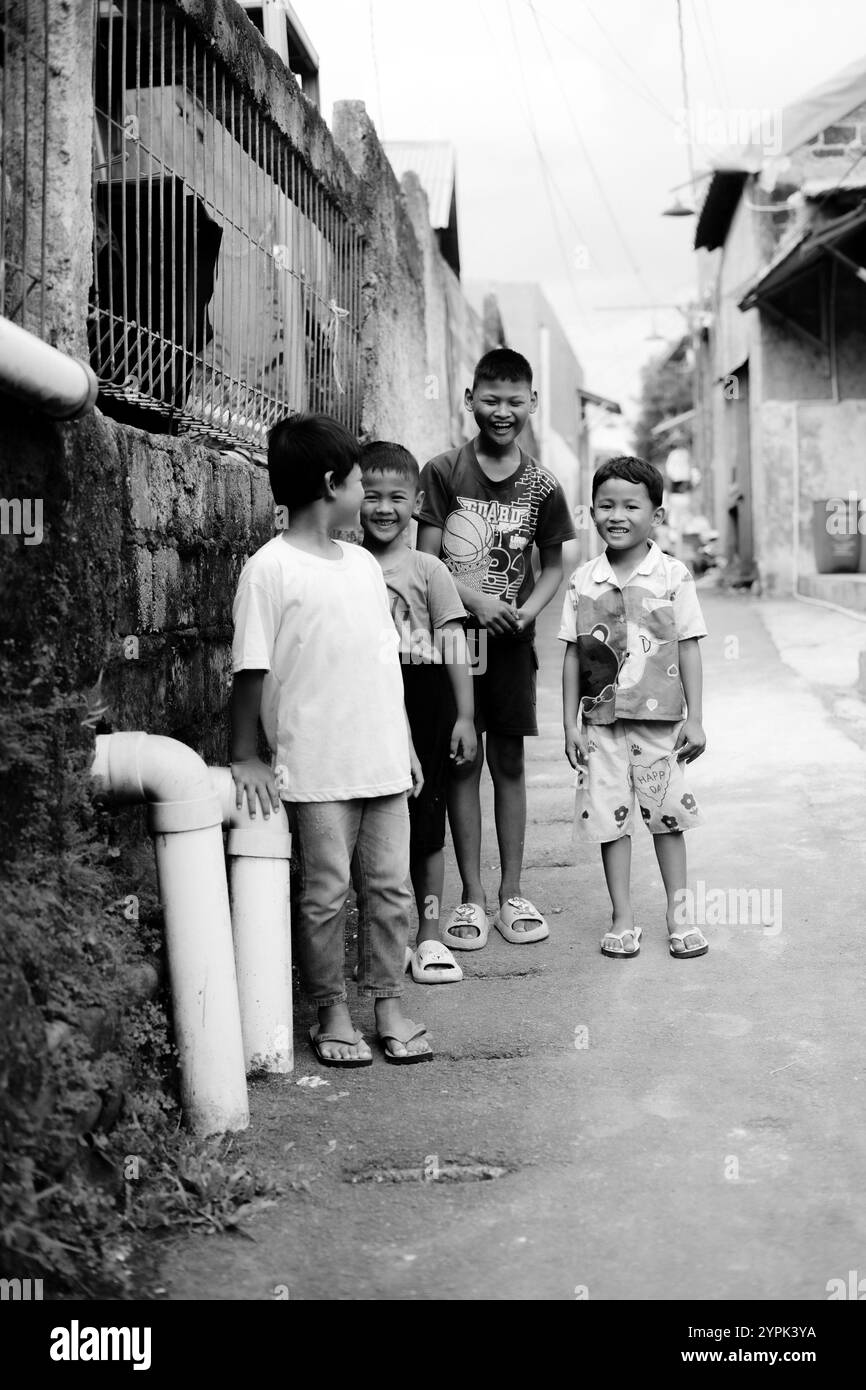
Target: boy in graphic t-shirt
314,658
486,506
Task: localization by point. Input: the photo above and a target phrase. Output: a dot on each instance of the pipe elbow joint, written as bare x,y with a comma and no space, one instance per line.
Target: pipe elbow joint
169,776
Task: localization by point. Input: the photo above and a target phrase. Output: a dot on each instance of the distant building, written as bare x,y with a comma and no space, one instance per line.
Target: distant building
780,427
434,163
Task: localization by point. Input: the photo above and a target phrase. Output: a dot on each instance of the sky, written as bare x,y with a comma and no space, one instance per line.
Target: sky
567,120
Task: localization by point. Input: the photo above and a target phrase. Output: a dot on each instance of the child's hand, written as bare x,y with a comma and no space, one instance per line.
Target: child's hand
523,619
464,742
256,779
417,774
498,617
691,742
576,746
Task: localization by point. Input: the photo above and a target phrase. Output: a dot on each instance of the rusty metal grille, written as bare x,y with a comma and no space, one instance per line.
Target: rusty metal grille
226,279
24,113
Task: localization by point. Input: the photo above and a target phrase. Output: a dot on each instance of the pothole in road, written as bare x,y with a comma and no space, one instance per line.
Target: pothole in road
434,1169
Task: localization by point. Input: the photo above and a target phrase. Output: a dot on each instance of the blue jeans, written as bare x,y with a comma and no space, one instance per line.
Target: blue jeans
365,841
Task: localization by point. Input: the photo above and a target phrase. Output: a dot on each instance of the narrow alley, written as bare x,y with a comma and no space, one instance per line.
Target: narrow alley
602,1129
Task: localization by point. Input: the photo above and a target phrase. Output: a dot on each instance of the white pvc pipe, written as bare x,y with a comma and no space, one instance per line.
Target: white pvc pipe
34,371
186,823
259,850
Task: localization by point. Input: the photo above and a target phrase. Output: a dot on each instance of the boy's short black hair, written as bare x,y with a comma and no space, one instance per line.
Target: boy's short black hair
503,364
381,456
301,450
631,470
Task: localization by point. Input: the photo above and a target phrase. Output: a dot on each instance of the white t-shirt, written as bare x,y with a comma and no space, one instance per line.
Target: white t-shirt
332,701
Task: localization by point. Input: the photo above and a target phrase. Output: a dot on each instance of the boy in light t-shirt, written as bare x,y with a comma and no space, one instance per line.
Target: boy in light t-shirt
315,659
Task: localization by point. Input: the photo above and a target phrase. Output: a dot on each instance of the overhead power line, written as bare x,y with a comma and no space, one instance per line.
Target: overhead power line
646,95
709,65
547,174
590,165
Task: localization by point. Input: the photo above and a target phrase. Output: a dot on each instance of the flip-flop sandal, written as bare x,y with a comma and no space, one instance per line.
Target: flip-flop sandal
622,953
409,1031
431,963
520,910
468,915
689,952
317,1037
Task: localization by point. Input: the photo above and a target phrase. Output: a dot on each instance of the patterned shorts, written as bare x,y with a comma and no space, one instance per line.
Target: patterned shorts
629,760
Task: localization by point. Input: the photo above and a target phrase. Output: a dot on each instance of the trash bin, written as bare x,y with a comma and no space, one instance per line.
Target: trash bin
835,535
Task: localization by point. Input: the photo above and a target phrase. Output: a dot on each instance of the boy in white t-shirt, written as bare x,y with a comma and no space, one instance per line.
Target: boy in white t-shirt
315,659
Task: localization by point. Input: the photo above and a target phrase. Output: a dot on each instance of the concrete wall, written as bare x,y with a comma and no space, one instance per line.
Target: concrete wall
149,531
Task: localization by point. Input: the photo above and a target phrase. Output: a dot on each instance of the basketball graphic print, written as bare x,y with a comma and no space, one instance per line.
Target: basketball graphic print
466,538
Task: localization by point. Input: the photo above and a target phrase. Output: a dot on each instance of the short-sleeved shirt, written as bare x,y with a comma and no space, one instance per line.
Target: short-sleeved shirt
332,700
489,528
422,598
627,636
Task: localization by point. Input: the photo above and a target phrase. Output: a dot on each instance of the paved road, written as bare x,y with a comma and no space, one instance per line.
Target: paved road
660,1129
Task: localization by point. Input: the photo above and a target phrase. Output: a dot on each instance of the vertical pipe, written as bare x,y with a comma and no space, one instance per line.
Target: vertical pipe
166,97
46,26
25,181
259,852
142,266
192,880
123,209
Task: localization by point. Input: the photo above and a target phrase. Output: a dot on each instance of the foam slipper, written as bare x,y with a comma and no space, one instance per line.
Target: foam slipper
520,910
407,1033
699,947
468,915
317,1037
432,963
621,953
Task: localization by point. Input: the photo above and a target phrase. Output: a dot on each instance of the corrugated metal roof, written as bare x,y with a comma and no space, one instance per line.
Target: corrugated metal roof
434,163
799,121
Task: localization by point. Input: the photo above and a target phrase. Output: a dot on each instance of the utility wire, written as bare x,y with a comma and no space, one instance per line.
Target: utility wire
547,176
376,73
592,169
685,83
717,47
622,58
645,95
710,68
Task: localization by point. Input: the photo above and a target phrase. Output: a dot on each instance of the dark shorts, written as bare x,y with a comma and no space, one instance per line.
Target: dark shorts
431,710
504,686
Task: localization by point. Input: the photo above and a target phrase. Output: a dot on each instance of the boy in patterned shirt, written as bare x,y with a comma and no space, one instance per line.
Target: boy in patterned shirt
486,505
631,621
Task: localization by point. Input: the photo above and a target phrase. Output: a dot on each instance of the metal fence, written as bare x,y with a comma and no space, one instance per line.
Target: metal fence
24,115
226,279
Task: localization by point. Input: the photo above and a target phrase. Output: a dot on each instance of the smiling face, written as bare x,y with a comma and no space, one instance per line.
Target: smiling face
387,507
501,409
624,515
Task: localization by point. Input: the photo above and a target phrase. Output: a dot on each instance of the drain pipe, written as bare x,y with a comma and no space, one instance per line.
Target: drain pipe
37,373
186,824
259,852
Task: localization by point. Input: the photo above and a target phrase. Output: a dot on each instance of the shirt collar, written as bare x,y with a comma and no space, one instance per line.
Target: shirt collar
603,574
